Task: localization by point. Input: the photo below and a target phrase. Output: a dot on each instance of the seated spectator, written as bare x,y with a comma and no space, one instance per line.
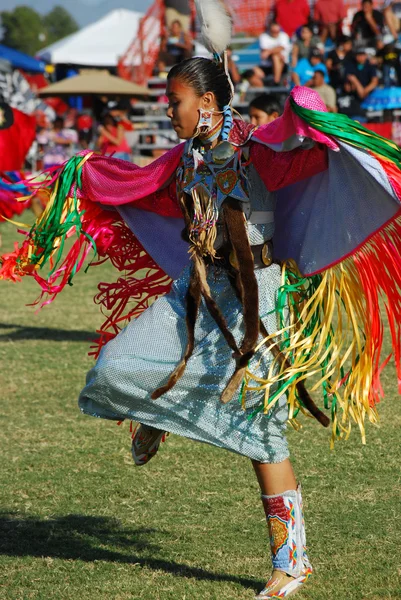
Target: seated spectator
360,79
251,78
325,91
291,14
178,10
336,59
302,46
367,24
120,109
360,75
176,45
85,130
388,56
303,72
160,70
264,109
274,52
254,77
329,14
112,139
57,143
392,17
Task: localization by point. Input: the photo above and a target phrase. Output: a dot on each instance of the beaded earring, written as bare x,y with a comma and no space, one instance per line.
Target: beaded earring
205,121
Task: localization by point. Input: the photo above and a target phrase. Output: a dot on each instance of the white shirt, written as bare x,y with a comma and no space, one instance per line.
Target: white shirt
267,42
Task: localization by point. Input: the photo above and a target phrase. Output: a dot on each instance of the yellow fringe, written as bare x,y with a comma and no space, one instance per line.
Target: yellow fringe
68,202
344,321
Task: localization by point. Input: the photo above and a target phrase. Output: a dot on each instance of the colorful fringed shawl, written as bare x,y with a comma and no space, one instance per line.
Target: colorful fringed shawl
338,233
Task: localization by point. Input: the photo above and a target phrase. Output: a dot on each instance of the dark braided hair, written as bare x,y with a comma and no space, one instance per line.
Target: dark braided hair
204,75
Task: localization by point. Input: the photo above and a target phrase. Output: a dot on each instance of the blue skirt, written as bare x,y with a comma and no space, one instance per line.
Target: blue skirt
143,355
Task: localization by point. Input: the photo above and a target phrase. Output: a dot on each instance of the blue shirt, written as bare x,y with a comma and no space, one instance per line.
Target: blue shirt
305,70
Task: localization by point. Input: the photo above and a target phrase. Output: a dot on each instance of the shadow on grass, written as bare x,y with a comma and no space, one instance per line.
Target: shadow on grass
80,537
21,332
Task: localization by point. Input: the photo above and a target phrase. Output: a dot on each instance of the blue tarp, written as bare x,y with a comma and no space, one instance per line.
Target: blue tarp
247,57
383,99
19,60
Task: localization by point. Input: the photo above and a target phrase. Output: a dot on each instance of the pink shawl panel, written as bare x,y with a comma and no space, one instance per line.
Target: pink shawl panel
114,182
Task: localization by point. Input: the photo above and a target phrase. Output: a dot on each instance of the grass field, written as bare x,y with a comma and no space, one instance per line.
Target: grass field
79,522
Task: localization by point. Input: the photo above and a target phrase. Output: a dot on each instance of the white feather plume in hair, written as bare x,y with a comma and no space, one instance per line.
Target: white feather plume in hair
216,24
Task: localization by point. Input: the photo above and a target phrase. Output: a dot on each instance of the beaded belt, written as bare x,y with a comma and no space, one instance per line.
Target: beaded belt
262,256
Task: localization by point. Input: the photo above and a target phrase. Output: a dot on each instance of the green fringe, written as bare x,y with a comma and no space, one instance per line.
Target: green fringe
345,129
296,290
50,231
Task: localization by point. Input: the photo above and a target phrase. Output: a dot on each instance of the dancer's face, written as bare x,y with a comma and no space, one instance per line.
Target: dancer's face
184,105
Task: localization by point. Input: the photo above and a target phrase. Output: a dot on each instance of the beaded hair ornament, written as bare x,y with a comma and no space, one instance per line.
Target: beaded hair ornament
216,27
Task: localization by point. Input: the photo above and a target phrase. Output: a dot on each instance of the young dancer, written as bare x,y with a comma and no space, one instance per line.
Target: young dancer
142,374
246,322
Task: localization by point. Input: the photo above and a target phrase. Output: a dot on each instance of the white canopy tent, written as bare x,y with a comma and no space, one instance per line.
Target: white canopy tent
100,44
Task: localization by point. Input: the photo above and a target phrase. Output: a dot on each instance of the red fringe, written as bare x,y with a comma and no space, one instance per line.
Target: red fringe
379,269
143,280
129,296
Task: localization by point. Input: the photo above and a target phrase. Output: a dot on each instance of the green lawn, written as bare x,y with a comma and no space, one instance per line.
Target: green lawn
80,522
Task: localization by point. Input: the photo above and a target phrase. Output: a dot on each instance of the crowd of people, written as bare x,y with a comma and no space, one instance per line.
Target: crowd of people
299,47
308,47
57,141
304,48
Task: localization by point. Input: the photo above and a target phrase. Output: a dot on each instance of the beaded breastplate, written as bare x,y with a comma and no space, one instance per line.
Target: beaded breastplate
209,177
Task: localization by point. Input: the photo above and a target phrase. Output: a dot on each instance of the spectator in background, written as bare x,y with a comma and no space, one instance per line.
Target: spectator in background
264,109
360,79
85,130
392,17
367,24
119,110
303,45
360,75
176,45
388,56
291,14
99,107
57,142
329,14
325,91
252,78
112,139
336,60
178,10
160,70
274,52
306,67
